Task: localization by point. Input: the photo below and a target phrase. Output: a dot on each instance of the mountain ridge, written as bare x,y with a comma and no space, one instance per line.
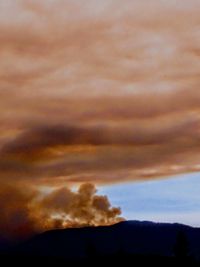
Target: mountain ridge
132,237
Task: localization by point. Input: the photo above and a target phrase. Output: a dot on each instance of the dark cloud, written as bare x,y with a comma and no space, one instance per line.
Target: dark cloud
69,150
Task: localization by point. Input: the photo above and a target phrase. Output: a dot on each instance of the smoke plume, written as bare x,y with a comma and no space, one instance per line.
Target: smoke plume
26,211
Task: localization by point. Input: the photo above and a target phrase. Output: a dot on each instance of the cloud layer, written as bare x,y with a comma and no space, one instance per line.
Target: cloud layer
100,91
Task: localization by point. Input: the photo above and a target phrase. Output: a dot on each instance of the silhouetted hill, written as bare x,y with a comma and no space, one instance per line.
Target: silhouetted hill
130,236
127,238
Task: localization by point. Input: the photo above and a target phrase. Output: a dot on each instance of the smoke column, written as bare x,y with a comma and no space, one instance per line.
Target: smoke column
26,211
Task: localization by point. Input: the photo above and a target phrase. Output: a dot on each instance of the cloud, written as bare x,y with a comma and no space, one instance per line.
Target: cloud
72,151
89,92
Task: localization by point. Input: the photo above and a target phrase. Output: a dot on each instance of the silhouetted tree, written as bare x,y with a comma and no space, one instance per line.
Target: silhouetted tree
181,248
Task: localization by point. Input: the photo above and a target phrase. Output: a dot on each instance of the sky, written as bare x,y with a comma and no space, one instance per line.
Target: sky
95,93
173,199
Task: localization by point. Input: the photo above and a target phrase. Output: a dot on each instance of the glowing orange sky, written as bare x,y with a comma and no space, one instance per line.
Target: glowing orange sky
100,91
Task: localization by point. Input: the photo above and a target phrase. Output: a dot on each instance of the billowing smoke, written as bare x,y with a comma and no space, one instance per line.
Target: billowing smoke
26,211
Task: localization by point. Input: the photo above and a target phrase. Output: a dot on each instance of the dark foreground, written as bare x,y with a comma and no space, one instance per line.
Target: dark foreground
112,260
97,260
130,243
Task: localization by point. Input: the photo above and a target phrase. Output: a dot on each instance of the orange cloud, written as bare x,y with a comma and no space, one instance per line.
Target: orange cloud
98,91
